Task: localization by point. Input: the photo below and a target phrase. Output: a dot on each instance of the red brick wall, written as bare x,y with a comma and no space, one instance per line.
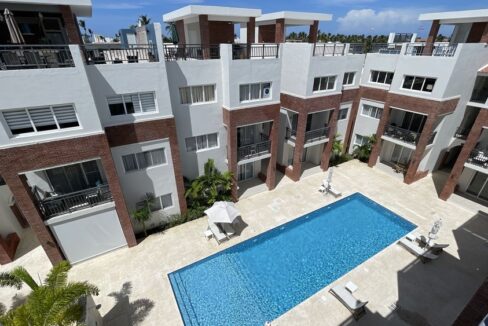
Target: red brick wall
470,143
18,160
266,33
484,37
235,118
476,32
251,30
313,31
220,32
70,25
280,31
204,29
147,131
180,30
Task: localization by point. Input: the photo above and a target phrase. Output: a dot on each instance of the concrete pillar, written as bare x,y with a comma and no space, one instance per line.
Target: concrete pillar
324,163
412,175
251,33
280,31
71,25
204,34
351,122
26,203
434,30
385,119
180,30
271,170
313,32
299,146
469,145
484,37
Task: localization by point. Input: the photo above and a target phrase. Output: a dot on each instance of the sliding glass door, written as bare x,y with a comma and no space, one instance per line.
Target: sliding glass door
75,177
246,171
479,186
400,155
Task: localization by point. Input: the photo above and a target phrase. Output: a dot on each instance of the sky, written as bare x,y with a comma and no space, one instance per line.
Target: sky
349,16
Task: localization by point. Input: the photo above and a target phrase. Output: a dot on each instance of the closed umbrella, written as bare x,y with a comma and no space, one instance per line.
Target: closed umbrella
15,34
329,176
222,212
434,230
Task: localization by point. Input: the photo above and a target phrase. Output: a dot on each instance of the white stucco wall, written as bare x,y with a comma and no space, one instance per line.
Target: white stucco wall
365,125
158,180
8,221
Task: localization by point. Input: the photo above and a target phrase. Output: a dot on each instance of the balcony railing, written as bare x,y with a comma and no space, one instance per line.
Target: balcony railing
13,57
255,51
404,135
384,48
430,49
479,157
311,135
96,54
356,48
329,49
64,204
191,52
253,150
462,132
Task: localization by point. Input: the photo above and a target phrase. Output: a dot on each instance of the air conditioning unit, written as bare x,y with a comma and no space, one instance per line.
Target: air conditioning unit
266,91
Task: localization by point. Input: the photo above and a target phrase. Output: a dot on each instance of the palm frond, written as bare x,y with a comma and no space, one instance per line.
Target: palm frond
58,275
8,279
22,274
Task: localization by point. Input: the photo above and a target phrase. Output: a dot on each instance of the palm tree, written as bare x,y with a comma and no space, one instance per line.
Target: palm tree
54,302
82,24
143,214
210,187
144,20
362,152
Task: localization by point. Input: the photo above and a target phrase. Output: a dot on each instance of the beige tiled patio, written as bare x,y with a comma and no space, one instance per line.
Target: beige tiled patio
135,289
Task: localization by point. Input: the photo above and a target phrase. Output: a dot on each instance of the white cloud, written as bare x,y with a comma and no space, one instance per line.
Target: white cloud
369,21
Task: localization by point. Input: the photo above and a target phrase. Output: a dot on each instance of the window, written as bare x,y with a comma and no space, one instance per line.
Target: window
371,111
348,78
197,94
253,92
29,120
324,83
422,84
343,114
161,202
360,140
198,143
131,103
381,77
142,160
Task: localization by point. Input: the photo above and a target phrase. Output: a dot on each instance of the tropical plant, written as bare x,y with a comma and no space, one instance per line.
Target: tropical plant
210,187
144,20
143,213
82,24
362,152
53,302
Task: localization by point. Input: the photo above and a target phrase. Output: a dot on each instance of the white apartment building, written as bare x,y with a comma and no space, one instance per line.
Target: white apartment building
88,130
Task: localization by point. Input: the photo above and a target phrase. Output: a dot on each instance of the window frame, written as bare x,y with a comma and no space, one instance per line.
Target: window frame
377,108
353,78
326,83
356,136
421,90
339,114
261,87
123,97
158,201
197,150
371,72
144,153
33,126
192,102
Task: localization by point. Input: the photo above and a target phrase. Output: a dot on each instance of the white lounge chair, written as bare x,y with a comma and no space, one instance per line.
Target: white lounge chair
344,295
424,254
326,188
218,235
435,248
228,229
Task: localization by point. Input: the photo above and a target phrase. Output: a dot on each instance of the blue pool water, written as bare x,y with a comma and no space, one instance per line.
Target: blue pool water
263,277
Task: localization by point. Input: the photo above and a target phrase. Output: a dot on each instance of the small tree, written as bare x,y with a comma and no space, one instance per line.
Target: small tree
143,214
144,20
82,24
362,152
53,302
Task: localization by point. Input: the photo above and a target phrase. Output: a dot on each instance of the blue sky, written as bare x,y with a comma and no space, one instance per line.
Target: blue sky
349,16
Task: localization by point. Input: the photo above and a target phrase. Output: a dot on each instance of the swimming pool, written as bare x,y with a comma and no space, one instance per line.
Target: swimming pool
263,277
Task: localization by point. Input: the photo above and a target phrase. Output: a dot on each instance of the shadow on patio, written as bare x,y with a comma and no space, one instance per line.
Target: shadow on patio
435,293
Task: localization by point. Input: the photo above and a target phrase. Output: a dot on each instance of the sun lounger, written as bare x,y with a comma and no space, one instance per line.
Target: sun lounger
228,229
328,188
344,295
435,248
424,254
218,235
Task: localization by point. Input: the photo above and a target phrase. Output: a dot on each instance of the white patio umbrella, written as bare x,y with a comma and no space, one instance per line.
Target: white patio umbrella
15,34
434,230
222,212
329,176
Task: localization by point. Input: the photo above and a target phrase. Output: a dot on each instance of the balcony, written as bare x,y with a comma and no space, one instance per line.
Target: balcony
55,205
329,49
479,157
311,136
247,152
255,51
480,91
16,57
404,135
96,54
430,49
383,48
191,52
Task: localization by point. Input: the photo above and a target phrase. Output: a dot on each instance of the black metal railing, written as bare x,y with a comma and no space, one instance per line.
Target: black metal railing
191,52
405,135
462,132
329,49
479,157
357,48
256,51
430,49
63,204
479,96
253,150
20,56
96,54
384,48
311,135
